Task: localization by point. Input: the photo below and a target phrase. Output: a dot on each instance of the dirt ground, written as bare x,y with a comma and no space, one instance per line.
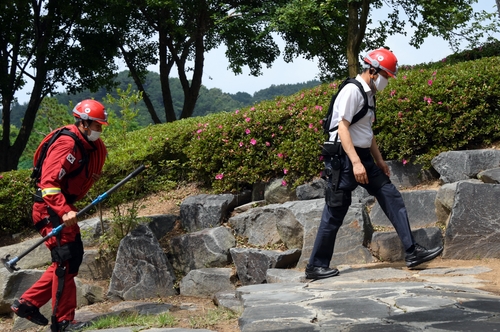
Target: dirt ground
165,203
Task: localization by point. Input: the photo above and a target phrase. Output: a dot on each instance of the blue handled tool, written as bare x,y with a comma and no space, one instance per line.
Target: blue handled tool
10,265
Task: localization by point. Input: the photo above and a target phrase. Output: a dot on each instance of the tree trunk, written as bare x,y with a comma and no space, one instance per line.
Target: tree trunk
165,67
191,92
140,87
356,33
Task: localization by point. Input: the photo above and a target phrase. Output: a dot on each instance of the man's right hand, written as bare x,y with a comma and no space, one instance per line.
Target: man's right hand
360,173
69,219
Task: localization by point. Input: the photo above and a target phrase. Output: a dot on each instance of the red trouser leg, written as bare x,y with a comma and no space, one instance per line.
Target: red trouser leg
46,288
67,300
41,291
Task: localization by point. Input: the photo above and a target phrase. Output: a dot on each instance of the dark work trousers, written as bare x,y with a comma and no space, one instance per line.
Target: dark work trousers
380,186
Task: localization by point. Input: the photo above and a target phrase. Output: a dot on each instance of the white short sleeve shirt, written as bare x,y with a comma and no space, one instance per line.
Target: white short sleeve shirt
347,104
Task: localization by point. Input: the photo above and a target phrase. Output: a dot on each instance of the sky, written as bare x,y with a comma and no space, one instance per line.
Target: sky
217,75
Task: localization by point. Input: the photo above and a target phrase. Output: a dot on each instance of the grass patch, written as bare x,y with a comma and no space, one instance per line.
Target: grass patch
128,320
212,318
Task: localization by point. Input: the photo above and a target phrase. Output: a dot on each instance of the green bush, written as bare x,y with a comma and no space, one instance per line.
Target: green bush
427,110
16,199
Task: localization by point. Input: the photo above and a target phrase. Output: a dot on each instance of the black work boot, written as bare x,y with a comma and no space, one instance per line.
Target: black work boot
317,272
421,255
24,309
67,325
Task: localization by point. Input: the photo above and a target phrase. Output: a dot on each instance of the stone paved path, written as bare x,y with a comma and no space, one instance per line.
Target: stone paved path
361,299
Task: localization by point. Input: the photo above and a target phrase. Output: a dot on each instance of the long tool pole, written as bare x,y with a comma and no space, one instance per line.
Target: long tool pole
11,264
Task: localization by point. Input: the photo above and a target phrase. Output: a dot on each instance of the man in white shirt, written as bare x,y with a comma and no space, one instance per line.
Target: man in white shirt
361,163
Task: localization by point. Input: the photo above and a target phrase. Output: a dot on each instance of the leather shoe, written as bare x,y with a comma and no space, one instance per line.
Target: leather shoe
318,272
421,255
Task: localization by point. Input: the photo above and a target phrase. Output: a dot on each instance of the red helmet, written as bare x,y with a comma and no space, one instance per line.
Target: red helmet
383,59
90,109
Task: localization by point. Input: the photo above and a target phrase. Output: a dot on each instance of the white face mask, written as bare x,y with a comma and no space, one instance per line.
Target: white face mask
94,135
381,82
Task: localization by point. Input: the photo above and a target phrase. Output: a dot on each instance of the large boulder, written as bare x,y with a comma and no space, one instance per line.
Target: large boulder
454,166
472,230
252,264
203,249
205,211
278,192
206,282
141,269
267,225
407,175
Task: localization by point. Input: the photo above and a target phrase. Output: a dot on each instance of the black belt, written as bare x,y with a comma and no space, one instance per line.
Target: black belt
37,196
53,219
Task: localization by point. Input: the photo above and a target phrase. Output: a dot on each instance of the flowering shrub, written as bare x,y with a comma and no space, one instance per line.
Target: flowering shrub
427,111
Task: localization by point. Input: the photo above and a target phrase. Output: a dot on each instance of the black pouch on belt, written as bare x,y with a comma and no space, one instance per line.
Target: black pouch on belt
334,198
330,148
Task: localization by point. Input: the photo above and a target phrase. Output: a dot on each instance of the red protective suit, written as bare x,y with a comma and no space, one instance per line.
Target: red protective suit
63,157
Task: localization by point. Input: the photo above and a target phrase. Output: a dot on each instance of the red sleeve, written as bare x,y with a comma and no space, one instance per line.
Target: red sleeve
62,158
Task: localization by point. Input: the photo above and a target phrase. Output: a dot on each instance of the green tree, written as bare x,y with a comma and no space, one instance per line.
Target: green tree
46,44
185,31
336,31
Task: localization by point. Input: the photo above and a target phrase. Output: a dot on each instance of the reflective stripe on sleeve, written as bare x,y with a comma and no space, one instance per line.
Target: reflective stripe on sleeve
51,191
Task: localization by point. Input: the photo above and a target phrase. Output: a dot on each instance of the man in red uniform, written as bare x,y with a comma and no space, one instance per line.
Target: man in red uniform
71,165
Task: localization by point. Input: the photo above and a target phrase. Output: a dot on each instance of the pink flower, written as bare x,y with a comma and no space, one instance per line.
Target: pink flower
280,127
434,73
253,141
268,144
247,119
404,77
1,176
150,138
318,107
247,131
241,144
252,109
405,161
440,102
444,60
285,171
393,92
199,131
429,82
220,126
429,100
237,111
400,115
219,176
283,183
311,125
280,155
